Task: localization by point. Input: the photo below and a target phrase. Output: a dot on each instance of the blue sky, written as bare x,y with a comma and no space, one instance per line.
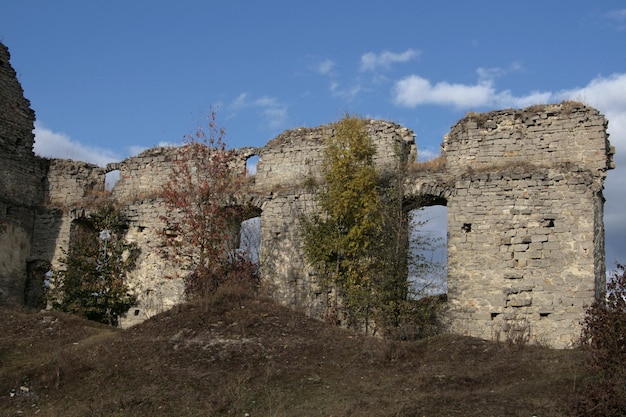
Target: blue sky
108,79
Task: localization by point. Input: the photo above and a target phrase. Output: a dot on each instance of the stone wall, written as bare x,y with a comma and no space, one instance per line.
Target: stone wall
523,190
525,229
278,192
21,184
296,156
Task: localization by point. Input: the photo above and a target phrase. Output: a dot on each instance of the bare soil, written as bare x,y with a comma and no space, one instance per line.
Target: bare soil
251,357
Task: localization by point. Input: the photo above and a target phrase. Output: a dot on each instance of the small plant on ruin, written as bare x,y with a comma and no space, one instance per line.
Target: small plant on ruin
603,339
202,225
92,279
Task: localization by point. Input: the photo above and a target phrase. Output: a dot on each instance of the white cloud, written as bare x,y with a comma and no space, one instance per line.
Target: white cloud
414,90
51,144
371,61
607,95
604,93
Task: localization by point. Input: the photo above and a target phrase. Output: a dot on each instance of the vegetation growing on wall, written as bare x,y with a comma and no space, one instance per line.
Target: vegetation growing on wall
202,223
92,279
358,241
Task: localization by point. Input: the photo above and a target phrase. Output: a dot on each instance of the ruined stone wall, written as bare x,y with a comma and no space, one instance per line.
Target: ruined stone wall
143,176
157,283
21,184
296,156
287,167
525,229
71,190
277,191
523,190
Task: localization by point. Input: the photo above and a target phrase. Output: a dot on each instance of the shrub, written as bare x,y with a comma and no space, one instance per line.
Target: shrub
92,279
603,339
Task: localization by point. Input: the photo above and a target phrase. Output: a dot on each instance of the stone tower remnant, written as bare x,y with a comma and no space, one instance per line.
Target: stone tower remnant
523,190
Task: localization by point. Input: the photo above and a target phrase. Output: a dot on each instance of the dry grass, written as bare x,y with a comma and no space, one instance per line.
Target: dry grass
508,166
235,355
567,106
436,165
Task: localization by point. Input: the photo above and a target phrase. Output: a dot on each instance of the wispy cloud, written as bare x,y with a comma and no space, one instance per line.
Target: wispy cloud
372,61
618,18
51,144
320,66
345,93
490,74
325,67
271,109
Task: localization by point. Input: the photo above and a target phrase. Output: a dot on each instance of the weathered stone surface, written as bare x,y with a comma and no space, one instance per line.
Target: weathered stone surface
21,183
523,190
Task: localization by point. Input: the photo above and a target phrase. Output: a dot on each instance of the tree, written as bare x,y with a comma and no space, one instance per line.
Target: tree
202,224
603,340
339,241
92,279
358,242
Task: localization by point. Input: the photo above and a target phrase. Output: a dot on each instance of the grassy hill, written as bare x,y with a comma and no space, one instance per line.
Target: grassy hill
250,357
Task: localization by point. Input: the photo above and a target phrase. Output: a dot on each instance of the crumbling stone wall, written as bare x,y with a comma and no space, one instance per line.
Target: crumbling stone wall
21,184
523,190
71,190
288,168
525,228
278,192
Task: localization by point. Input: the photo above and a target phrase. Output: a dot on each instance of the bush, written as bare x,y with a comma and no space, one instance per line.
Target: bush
603,339
92,279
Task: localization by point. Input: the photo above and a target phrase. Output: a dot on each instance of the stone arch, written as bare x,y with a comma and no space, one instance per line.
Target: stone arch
427,248
427,192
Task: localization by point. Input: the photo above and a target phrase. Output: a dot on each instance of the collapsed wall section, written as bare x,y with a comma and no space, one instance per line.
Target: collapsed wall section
525,230
296,157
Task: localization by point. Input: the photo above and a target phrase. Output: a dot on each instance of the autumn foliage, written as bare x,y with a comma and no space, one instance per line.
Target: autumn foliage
202,225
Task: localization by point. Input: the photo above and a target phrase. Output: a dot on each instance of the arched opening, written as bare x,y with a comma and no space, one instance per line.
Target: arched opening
110,178
251,164
428,251
250,238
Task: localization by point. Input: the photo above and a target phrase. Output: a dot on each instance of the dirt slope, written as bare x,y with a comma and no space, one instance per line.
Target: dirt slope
251,357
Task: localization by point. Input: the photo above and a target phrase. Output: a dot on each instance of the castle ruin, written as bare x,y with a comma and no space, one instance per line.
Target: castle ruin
523,191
